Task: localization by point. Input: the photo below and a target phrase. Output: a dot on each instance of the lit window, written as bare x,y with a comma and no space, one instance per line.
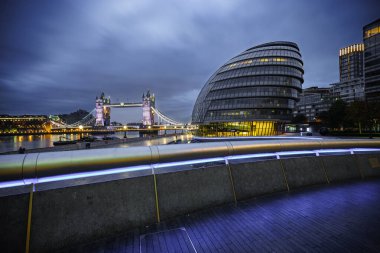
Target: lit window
371,32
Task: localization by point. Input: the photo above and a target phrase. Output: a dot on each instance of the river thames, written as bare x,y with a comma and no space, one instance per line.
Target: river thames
13,143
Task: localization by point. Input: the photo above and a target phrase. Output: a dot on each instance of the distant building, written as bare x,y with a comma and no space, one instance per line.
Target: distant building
351,85
348,91
351,62
24,124
313,101
371,38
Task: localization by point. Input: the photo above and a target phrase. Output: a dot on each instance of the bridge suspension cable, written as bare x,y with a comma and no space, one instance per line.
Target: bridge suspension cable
166,118
85,120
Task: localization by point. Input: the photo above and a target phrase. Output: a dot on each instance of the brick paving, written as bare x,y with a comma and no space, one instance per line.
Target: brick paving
335,218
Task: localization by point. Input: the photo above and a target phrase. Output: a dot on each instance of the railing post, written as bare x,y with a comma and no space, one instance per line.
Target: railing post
231,179
156,195
29,224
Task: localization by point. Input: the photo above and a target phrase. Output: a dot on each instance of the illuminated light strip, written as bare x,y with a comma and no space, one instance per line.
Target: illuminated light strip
285,153
93,173
206,160
250,156
332,150
12,184
258,138
365,149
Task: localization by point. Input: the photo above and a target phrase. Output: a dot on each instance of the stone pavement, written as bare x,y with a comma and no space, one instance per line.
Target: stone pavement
334,218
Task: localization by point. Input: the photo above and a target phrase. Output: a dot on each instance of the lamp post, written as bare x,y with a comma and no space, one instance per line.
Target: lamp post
125,131
81,129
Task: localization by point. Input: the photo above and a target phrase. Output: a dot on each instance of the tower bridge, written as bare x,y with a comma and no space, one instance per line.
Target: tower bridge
100,116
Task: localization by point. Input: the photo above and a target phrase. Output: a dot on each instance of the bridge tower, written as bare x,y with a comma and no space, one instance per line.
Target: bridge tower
103,112
148,114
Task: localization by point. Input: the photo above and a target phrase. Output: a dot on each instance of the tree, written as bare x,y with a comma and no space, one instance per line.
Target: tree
74,116
357,114
337,114
299,119
323,118
373,115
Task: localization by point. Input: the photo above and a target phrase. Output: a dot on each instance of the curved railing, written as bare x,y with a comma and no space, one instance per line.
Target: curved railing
38,165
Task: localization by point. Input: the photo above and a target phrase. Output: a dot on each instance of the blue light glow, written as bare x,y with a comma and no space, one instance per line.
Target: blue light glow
258,138
250,156
93,173
171,164
333,150
285,153
12,184
365,149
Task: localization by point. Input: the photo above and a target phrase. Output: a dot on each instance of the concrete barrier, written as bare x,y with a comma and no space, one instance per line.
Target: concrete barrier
303,171
13,222
80,214
186,191
253,179
341,167
65,217
369,164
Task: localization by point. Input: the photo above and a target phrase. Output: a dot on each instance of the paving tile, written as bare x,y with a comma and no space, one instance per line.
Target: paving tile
334,218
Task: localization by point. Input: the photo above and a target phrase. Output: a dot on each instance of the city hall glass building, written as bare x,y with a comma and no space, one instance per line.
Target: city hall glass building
253,94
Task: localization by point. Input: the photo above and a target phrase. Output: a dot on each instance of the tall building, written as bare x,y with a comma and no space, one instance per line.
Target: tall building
252,94
313,101
351,85
351,62
371,38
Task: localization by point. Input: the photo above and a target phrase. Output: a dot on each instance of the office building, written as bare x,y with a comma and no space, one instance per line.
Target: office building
351,62
371,38
313,101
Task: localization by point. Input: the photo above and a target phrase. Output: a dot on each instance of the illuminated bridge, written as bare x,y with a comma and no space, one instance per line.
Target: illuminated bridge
100,116
199,197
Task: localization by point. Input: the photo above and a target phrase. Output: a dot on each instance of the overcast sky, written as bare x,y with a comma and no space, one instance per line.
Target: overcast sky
57,56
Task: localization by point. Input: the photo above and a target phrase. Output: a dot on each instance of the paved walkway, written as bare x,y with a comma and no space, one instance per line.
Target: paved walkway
335,218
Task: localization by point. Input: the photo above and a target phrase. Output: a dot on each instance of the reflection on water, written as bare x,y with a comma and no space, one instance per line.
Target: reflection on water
13,143
160,141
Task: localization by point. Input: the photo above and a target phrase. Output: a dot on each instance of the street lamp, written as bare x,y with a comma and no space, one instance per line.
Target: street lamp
125,131
81,129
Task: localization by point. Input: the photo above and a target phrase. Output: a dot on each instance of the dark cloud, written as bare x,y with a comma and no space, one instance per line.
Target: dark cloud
57,56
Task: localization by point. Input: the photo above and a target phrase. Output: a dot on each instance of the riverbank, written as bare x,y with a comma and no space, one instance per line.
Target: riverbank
124,142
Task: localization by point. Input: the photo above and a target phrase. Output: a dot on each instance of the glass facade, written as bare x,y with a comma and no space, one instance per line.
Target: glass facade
252,94
244,128
371,37
351,62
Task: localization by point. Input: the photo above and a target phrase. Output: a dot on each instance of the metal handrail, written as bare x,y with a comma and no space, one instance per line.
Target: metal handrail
38,165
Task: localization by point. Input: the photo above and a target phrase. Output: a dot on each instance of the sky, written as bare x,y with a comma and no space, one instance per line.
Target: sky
57,56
